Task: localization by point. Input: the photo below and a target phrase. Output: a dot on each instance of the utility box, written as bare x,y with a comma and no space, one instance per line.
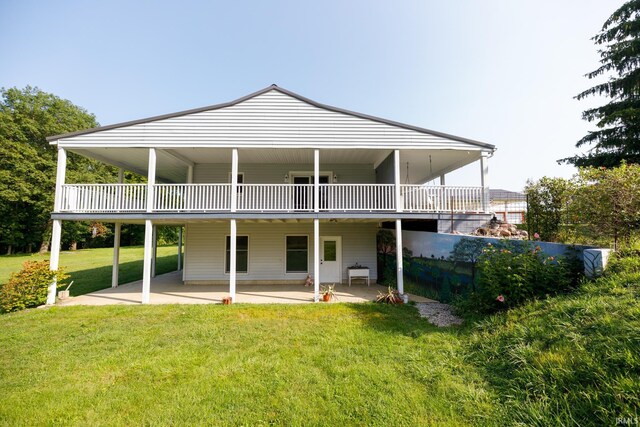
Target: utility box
595,261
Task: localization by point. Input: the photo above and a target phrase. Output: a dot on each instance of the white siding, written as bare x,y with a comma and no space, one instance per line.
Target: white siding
272,119
205,246
255,173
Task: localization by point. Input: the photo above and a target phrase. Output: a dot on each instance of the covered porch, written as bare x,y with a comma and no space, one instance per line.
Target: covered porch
169,289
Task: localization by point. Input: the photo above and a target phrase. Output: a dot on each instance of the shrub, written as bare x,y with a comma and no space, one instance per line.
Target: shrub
28,287
509,275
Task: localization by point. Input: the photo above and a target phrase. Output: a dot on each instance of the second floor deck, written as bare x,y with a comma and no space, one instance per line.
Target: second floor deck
290,198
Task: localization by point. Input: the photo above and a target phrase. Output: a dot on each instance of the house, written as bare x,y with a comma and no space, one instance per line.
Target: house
508,206
270,188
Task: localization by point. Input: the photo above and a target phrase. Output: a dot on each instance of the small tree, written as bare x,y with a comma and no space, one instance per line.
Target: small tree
386,243
547,202
607,201
468,250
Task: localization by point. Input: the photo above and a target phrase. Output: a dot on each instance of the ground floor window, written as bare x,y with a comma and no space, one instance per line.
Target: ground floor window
242,254
297,254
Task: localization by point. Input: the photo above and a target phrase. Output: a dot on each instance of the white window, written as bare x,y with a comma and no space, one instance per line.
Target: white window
242,254
297,256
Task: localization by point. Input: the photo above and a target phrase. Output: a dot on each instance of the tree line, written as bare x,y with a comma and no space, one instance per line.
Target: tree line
28,173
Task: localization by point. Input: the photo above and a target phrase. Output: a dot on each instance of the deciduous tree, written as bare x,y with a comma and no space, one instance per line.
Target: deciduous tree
27,163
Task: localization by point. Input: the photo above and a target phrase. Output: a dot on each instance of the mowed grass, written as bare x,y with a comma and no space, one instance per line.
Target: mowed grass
315,364
568,360
90,269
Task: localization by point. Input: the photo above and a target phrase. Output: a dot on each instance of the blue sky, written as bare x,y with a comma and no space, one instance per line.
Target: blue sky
503,72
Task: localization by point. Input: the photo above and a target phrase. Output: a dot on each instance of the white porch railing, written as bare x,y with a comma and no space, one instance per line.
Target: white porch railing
357,197
275,197
103,198
97,198
191,197
423,198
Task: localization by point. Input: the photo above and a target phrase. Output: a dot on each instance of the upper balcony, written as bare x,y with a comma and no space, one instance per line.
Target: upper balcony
290,198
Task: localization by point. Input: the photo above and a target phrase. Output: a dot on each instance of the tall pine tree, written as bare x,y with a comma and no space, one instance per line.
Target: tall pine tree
618,136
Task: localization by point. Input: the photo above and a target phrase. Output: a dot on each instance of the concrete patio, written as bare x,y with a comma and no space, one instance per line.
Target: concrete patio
168,289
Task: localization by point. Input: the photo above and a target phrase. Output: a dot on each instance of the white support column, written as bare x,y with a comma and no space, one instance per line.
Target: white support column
179,248
396,174
155,251
232,261
316,180
189,174
54,260
400,267
484,181
117,229
234,179
60,178
151,178
316,260
56,233
116,255
185,237
442,180
146,265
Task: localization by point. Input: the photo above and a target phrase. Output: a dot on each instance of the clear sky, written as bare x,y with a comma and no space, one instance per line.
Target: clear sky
499,71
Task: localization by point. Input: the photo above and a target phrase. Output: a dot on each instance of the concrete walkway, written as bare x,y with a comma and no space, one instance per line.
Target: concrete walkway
168,289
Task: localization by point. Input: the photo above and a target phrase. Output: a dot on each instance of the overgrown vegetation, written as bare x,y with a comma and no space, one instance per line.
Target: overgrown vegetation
568,360
28,287
510,274
597,206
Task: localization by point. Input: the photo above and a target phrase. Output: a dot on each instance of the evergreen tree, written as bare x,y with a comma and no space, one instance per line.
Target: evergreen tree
618,122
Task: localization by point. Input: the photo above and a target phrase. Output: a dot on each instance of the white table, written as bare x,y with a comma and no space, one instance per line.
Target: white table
358,273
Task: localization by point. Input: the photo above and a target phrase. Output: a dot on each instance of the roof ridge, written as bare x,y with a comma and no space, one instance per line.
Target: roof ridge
273,86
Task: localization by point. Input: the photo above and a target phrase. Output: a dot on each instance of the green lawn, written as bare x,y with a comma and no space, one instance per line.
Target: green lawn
316,364
568,360
90,269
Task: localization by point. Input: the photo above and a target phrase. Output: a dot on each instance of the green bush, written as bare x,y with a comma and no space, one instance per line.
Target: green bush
28,287
509,275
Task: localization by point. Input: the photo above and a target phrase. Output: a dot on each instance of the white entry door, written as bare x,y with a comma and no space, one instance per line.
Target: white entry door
330,259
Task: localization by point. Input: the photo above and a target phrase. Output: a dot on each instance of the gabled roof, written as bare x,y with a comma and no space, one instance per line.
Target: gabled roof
286,92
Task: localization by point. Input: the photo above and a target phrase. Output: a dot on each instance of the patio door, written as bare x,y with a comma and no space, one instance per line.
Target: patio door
303,194
330,259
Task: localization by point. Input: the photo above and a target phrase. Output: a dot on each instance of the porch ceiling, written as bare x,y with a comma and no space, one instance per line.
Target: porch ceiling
171,165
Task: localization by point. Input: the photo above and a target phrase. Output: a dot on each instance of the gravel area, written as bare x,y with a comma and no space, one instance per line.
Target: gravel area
437,313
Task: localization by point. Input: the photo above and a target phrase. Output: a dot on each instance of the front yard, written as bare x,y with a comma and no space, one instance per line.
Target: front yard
354,364
571,359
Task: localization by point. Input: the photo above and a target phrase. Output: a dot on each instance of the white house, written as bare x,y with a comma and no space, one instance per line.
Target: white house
271,187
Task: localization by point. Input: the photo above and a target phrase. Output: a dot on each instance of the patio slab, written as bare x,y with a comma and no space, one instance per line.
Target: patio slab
169,289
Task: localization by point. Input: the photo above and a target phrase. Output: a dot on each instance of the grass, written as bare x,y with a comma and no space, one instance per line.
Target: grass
316,364
568,360
90,269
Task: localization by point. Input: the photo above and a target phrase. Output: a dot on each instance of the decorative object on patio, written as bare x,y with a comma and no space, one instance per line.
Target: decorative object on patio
328,292
227,301
358,271
65,294
309,281
391,296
